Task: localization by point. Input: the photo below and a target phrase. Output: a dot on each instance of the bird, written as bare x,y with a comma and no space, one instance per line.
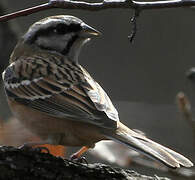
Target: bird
55,97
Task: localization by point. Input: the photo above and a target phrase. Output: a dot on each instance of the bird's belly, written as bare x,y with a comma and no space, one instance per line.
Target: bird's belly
56,130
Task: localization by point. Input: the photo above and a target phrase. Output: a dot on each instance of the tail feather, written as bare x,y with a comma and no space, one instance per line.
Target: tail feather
180,158
148,147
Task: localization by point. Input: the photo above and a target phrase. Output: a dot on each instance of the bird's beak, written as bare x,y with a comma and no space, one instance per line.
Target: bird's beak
88,32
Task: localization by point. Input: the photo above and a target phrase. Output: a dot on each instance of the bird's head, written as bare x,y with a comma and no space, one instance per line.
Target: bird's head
62,34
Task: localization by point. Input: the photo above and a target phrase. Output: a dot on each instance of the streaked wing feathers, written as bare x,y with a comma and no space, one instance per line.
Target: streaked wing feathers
63,93
100,98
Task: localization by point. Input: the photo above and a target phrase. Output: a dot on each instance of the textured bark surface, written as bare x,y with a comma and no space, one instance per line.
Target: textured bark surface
32,164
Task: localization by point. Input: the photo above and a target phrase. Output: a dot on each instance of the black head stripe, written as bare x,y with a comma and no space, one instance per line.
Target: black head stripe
63,28
69,45
59,28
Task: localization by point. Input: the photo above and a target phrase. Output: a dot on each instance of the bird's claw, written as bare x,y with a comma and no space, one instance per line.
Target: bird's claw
78,159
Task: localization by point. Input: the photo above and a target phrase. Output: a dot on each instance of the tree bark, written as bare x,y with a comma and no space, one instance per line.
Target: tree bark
31,163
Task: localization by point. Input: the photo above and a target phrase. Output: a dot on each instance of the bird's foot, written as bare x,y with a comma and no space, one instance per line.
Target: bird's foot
75,158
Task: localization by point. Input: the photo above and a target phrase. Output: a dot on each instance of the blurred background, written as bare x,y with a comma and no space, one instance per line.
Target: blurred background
142,78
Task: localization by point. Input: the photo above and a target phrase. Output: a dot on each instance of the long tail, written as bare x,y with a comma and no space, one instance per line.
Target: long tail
148,147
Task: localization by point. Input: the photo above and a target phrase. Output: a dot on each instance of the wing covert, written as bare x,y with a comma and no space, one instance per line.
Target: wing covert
61,91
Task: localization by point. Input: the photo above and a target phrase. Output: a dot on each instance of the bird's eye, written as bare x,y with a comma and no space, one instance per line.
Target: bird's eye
55,30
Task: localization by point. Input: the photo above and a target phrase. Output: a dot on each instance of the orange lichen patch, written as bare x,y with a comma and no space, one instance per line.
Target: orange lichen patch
59,151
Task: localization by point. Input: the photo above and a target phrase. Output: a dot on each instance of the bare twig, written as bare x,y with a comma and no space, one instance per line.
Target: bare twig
25,12
185,108
134,23
105,4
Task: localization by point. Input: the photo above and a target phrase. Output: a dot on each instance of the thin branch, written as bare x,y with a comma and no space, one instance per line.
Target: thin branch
134,24
163,4
105,4
184,106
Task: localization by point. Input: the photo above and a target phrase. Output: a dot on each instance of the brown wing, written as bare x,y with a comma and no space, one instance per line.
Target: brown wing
66,91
